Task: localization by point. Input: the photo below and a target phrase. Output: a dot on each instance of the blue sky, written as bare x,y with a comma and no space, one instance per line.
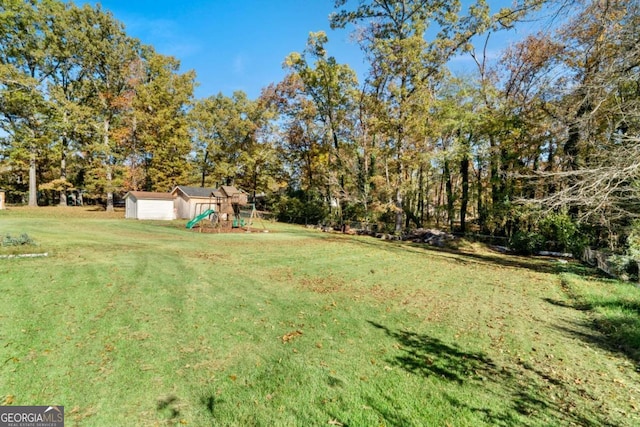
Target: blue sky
237,44
231,44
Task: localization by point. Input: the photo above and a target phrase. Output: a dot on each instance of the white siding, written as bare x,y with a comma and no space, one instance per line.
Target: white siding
182,206
199,205
155,209
131,208
188,207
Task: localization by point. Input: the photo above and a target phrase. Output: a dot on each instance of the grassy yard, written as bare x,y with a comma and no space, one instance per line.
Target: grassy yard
130,323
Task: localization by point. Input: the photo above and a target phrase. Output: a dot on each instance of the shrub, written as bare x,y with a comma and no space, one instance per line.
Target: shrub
353,211
634,242
22,240
563,234
526,242
299,208
623,267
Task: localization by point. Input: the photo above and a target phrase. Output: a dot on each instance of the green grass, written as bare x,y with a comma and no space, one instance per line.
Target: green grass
615,311
145,323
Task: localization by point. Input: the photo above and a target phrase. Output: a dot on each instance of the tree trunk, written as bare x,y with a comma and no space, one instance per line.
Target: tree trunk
399,202
494,173
109,171
399,212
481,209
63,161
439,193
464,172
449,189
63,171
255,182
421,195
33,187
204,168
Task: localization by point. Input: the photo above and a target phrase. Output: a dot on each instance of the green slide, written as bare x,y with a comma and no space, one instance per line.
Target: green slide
199,218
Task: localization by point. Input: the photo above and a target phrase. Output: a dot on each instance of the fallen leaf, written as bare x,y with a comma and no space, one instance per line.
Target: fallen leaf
290,336
9,399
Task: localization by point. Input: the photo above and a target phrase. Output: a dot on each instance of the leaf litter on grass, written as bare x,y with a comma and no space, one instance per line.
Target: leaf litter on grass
462,339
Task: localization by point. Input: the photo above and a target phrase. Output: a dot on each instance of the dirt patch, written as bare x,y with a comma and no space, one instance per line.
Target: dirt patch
282,274
229,230
379,293
322,285
211,257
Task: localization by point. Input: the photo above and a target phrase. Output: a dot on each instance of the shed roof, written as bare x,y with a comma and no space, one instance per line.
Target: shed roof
230,190
194,191
149,195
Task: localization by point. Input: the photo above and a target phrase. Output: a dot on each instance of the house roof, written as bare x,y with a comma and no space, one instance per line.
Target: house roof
194,191
149,195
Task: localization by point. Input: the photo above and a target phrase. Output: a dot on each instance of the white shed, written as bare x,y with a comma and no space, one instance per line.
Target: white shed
149,205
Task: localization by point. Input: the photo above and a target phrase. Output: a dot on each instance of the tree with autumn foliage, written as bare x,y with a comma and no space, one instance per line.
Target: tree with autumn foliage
332,88
301,142
231,142
76,88
24,72
405,70
109,57
591,100
154,133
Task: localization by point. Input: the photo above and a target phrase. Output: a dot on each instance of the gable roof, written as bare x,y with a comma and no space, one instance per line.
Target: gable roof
230,190
149,195
194,191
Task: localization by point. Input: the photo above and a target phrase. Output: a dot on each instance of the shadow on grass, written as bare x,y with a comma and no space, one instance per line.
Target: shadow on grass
428,356
526,388
385,405
612,322
615,333
169,407
622,331
568,304
538,264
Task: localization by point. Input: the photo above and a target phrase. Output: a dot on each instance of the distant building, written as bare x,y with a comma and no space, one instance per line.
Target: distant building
190,202
149,205
185,203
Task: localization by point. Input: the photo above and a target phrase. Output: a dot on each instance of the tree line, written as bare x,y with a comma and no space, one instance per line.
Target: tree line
540,144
